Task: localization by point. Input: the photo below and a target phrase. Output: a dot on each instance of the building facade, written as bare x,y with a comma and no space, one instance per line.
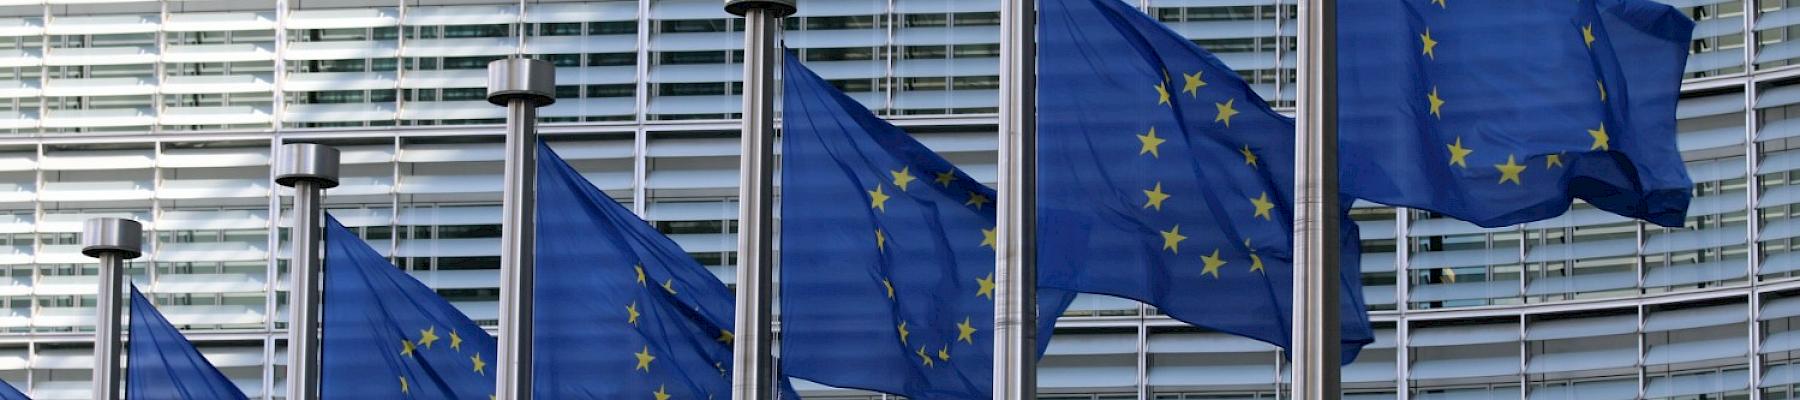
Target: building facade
168,112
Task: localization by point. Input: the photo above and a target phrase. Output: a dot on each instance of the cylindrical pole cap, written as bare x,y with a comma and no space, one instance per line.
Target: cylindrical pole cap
307,162
531,80
112,235
781,8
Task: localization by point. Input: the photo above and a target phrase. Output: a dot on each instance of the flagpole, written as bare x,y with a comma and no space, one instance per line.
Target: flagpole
1316,247
112,241
521,85
1015,278
310,169
753,351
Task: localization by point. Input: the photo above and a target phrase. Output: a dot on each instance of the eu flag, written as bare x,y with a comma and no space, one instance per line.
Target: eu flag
1502,112
162,364
1163,178
887,273
8,392
622,311
387,336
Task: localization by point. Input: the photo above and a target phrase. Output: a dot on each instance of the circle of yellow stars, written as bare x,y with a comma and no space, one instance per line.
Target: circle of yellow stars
899,183
1155,197
427,338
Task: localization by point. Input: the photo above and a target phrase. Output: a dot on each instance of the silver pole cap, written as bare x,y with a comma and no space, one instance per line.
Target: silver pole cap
781,8
112,235
531,80
307,162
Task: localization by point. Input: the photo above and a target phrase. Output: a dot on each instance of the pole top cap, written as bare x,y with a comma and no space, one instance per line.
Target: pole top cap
307,162
531,80
781,8
108,235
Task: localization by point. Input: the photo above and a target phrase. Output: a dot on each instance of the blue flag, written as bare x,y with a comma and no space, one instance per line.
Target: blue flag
1163,178
162,364
8,392
623,311
388,336
1501,112
887,277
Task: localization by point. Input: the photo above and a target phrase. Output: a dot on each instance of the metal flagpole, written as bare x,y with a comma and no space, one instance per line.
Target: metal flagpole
112,240
1316,247
1015,277
310,169
521,85
753,352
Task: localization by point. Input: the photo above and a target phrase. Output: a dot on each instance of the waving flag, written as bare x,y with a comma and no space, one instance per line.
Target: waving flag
1502,112
387,336
887,277
1164,178
162,364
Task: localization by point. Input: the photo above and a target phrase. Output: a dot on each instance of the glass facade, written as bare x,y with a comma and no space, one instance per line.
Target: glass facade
168,112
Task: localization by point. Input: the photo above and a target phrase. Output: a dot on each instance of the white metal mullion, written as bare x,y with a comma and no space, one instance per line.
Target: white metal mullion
1402,282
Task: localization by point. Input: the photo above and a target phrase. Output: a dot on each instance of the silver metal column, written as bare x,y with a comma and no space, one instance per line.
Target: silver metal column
1316,248
310,169
522,85
112,240
1015,275
753,352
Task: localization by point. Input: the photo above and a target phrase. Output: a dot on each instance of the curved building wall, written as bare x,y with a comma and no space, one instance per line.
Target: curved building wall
168,112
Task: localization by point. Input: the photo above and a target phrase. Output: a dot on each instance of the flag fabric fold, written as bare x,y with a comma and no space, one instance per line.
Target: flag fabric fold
386,335
162,364
887,273
1164,178
1502,112
623,312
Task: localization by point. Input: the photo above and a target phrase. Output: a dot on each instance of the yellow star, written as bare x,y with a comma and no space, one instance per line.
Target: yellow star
1263,206
1510,170
1172,239
1225,112
1601,141
1156,196
1552,161
1587,35
926,357
965,331
1440,3
1150,143
1459,155
640,274
662,392
428,336
945,178
455,341
406,347
890,287
1162,94
480,365
1193,85
644,358
880,240
726,337
986,287
987,238
902,177
903,332
977,199
669,285
1213,262
877,199
631,313
1430,44
1249,156
1437,103
1255,263
404,389
1602,86
944,353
